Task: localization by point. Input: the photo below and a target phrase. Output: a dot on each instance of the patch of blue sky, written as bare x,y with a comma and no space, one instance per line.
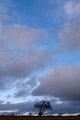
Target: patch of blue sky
35,14
68,58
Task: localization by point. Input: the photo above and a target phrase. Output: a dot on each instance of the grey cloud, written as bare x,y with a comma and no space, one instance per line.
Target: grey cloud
29,107
70,34
3,11
18,36
69,12
20,68
21,107
21,93
32,81
19,56
62,82
22,88
25,86
6,7
71,8
23,36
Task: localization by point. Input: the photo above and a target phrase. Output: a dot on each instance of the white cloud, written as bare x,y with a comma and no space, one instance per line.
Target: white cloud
8,111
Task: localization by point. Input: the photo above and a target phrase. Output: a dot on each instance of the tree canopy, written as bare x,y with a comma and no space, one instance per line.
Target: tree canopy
43,106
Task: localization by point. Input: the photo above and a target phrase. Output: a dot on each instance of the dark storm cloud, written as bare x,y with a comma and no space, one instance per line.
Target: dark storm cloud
62,82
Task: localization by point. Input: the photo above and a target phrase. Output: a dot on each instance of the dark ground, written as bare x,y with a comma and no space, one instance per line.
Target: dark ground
38,118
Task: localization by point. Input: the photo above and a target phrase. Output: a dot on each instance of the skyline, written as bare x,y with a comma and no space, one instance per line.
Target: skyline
39,55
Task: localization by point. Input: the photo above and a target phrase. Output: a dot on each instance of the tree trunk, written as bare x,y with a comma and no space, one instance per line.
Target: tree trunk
40,112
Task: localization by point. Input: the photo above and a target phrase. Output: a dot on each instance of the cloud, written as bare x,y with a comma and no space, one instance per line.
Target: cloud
70,35
21,36
24,107
23,58
62,82
8,111
3,12
11,70
5,8
28,83
36,63
72,8
21,68
69,32
20,54
18,108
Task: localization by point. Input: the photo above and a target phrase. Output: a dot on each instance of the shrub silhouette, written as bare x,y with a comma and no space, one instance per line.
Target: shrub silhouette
43,106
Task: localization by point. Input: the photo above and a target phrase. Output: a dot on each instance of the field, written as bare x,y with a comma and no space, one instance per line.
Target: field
38,118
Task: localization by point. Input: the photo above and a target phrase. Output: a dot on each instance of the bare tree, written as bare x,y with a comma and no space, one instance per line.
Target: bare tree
43,106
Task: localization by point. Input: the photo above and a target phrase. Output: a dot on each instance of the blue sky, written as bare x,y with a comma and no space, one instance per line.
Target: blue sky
39,55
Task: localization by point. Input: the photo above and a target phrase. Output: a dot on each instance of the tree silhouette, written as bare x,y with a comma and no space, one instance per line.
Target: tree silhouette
43,106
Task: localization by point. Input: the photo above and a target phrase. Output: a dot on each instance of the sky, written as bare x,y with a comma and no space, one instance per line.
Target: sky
39,55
